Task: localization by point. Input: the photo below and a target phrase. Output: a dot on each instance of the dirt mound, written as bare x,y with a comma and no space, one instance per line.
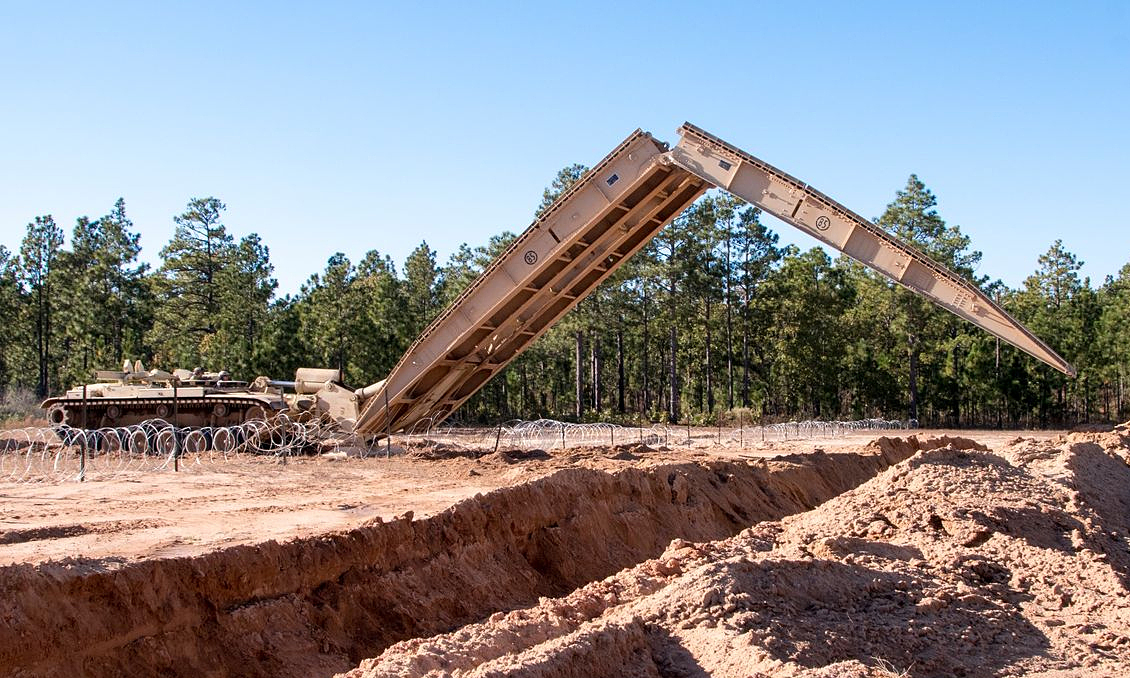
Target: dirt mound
954,562
433,450
314,606
900,448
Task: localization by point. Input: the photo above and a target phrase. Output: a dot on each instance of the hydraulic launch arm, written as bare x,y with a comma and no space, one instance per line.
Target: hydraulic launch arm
612,212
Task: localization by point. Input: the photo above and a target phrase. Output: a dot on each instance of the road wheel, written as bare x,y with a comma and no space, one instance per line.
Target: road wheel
225,440
195,442
137,441
112,441
165,442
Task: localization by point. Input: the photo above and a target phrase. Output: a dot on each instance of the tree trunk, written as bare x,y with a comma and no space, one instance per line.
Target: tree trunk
997,379
745,362
620,385
41,342
646,350
912,356
673,374
1045,396
956,409
525,391
553,393
502,398
709,364
117,339
672,377
1120,393
580,372
209,270
729,332
594,348
1086,400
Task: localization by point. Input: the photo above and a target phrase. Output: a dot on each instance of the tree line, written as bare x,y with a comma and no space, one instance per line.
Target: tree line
713,318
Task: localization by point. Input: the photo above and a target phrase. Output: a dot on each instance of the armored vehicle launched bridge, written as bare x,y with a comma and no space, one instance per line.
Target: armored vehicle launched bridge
577,243
592,229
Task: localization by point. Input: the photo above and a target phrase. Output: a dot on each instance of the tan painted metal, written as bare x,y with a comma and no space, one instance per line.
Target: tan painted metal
184,397
802,206
612,212
312,379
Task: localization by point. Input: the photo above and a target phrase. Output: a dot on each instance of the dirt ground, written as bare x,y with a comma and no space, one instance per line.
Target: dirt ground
159,514
957,561
919,555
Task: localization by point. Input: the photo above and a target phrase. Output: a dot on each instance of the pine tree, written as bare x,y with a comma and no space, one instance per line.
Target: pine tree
913,219
671,253
39,255
456,275
757,256
104,295
285,347
810,339
1115,344
244,292
383,321
189,293
1054,303
566,178
874,360
11,308
421,288
329,313
127,310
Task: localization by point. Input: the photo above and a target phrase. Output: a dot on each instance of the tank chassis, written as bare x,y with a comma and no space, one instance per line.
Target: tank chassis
188,398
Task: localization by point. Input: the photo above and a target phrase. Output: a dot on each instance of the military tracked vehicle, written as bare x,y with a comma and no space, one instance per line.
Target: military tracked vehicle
193,398
577,243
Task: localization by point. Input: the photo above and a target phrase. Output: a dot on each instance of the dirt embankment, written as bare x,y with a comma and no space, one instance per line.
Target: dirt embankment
953,563
318,605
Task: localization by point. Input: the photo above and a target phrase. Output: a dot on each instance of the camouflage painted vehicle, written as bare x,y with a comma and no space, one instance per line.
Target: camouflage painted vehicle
184,398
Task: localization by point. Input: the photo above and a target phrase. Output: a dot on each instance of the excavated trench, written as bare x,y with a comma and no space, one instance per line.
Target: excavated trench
317,606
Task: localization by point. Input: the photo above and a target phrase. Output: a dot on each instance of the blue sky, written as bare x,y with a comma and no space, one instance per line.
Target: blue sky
357,126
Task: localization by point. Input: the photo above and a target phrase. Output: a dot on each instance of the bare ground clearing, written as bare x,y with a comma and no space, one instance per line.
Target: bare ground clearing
512,563
136,515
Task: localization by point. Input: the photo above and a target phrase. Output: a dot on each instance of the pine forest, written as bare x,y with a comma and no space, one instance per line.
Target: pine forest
713,320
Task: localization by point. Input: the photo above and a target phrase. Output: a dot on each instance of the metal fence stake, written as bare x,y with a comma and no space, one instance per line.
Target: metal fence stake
82,453
176,423
388,428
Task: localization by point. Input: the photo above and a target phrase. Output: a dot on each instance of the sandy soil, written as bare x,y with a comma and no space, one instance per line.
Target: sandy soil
139,515
936,556
317,605
955,562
